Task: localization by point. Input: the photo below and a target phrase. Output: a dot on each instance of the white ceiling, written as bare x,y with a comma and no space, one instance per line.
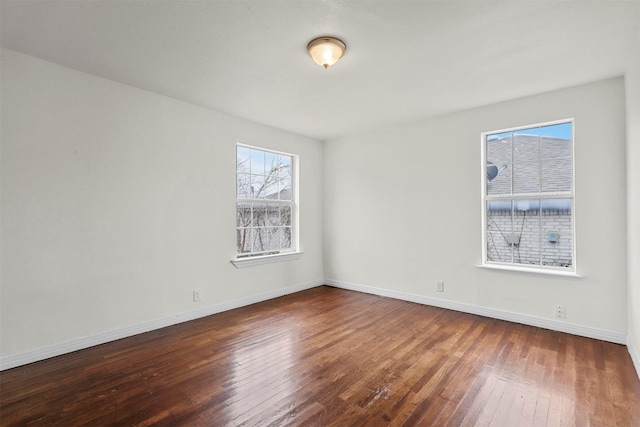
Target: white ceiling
405,60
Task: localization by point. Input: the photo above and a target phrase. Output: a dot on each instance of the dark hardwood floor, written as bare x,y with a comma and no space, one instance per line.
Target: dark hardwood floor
330,357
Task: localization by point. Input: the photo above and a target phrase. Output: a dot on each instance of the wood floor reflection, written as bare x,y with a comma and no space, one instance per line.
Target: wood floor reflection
331,357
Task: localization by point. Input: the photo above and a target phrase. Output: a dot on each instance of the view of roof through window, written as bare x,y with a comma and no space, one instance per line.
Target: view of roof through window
529,196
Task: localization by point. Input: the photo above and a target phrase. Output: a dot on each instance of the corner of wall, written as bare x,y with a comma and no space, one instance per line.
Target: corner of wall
632,98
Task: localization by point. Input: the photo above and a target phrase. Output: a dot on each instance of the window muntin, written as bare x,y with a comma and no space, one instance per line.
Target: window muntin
265,202
528,197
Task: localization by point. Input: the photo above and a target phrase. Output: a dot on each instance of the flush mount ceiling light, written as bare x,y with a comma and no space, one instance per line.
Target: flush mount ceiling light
326,51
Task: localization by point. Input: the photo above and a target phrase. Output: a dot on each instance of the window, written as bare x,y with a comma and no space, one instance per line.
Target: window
265,202
528,197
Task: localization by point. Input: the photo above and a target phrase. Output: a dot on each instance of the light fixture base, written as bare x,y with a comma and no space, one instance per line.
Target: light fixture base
326,50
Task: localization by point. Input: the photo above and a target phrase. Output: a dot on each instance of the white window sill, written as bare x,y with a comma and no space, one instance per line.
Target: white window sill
265,259
519,269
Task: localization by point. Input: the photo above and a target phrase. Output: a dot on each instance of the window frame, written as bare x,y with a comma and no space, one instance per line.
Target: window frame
524,267
250,259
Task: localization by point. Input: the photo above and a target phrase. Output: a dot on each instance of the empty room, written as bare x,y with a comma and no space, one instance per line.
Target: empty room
319,213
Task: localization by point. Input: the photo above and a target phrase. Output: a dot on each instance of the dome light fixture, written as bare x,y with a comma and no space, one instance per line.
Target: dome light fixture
326,51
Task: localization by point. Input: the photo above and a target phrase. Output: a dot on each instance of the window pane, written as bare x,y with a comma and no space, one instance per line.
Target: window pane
243,214
526,145
526,231
527,251
273,215
243,240
498,249
526,218
257,162
551,148
272,239
271,163
562,131
243,155
257,187
285,239
553,255
259,236
285,166
499,217
556,215
498,178
557,235
243,186
271,188
259,215
498,163
285,215
556,175
499,148
526,177
285,189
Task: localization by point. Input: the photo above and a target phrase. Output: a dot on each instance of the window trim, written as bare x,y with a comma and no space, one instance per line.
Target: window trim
518,267
292,253
252,261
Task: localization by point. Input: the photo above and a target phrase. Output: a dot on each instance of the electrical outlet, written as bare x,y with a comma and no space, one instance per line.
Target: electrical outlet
561,311
439,286
197,295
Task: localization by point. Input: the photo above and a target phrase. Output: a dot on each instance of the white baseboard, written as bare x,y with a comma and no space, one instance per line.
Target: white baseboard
19,359
635,356
539,322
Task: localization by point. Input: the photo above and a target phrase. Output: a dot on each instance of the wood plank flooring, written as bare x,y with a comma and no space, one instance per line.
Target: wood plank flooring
331,357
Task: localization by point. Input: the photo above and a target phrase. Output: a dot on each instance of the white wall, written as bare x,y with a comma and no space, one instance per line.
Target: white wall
402,210
632,81
117,203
